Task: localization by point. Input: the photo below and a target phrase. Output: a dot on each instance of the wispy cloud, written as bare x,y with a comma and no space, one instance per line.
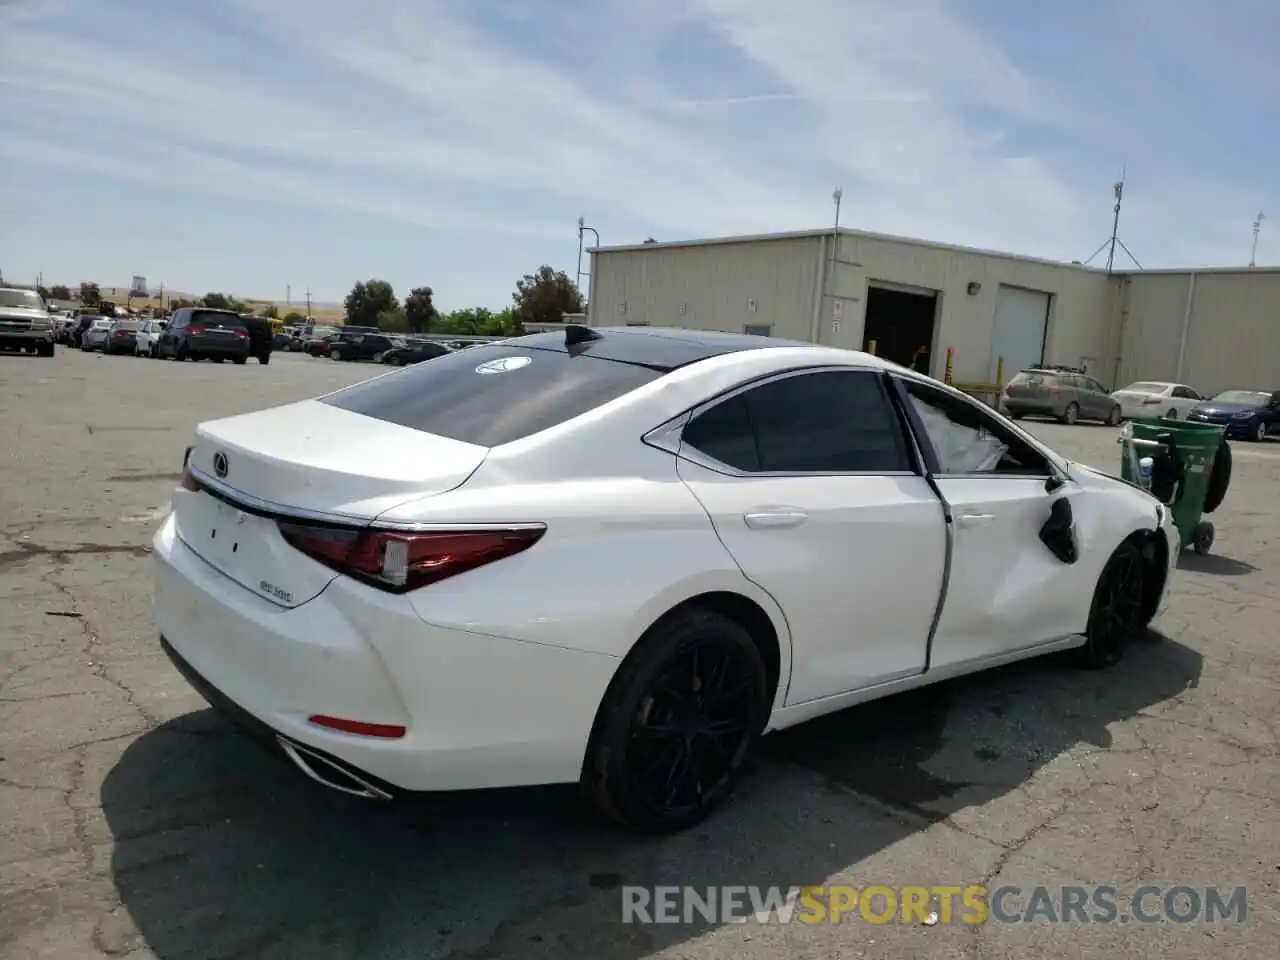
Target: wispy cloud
674,119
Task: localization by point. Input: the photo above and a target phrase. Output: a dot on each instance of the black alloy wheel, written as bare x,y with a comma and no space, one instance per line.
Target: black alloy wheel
677,723
1116,616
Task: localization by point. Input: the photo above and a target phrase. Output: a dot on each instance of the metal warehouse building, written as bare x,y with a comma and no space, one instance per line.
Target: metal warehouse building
1211,328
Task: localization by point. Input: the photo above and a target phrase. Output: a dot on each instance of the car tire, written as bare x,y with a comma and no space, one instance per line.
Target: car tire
238,361
707,650
335,354
1116,615
1071,414
45,350
1219,478
1114,417
1259,432
264,359
1172,414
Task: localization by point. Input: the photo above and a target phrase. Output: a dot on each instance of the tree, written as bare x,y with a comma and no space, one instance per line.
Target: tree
218,301
270,312
59,291
419,311
294,317
368,300
546,296
43,291
393,321
90,295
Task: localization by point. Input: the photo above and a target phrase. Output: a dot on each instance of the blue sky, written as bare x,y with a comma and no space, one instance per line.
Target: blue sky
247,145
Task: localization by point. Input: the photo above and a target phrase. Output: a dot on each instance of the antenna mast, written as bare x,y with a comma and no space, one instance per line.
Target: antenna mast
1257,228
1114,240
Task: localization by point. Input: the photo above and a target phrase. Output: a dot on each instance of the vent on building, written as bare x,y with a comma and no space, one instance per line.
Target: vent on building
758,330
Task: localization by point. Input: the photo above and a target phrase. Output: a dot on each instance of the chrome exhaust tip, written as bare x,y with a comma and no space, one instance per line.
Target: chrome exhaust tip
325,771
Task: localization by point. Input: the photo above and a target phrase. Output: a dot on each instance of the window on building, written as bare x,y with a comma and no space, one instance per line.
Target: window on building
758,330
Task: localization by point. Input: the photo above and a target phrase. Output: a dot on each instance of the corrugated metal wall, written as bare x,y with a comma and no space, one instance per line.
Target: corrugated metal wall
1233,329
732,287
1123,328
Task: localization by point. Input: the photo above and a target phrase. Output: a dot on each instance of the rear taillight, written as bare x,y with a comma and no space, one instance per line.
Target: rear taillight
195,330
399,562
241,333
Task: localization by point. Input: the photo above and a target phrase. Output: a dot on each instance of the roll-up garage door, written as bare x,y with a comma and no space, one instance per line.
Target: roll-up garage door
1022,318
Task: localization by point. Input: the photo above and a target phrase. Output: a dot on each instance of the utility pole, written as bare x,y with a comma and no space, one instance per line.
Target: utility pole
1257,228
288,295
308,303
161,296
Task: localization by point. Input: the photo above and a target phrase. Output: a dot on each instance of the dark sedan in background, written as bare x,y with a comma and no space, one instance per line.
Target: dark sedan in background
1251,414
414,351
122,337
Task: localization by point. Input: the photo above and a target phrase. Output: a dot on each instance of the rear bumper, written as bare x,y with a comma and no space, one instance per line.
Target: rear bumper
218,348
1023,407
480,711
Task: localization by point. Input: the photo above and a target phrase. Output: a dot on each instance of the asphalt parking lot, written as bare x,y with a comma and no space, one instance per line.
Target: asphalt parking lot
134,822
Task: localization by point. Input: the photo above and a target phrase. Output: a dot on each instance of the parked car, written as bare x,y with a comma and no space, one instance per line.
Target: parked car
1252,414
25,323
767,531
203,333
95,334
1155,398
359,346
414,351
121,337
1066,393
148,336
316,343
261,337
76,332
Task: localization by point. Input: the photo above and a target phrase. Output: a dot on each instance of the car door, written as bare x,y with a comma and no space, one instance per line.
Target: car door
1272,414
169,338
812,487
1183,400
1095,402
1006,590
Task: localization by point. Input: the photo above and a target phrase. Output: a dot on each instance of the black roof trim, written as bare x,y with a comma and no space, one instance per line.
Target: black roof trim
664,349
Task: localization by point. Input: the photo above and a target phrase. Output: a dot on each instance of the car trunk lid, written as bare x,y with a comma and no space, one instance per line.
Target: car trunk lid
306,460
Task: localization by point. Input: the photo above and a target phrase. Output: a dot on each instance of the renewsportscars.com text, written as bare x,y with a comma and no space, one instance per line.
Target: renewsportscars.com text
970,904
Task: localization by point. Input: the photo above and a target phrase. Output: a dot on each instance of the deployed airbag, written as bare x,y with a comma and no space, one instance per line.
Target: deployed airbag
960,449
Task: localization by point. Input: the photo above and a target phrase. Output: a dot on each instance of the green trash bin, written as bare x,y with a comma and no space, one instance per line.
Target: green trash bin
1183,486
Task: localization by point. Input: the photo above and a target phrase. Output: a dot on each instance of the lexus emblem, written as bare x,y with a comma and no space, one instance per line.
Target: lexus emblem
220,465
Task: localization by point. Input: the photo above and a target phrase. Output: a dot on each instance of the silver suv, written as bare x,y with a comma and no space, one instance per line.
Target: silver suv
25,323
1062,392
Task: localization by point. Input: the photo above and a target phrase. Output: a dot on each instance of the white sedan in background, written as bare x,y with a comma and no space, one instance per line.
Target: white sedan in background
148,336
1153,398
619,556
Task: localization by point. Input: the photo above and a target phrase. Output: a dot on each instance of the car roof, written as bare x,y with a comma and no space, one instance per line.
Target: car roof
668,348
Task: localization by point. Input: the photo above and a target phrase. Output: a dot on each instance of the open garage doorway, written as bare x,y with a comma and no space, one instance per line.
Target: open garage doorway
900,321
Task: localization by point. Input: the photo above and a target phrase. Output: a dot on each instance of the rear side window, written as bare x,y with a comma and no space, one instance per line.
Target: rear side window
824,422
493,394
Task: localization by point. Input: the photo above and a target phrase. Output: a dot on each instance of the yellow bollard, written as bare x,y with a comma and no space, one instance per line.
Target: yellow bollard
871,347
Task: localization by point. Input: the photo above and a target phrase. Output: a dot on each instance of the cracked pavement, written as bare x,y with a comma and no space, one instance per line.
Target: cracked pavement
135,822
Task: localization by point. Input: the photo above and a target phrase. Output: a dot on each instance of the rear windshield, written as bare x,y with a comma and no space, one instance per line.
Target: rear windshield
1242,396
209,318
493,394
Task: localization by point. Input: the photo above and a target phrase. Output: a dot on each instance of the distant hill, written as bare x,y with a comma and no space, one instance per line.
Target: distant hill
321,309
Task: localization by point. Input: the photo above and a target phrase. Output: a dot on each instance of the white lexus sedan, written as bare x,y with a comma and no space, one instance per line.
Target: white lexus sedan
619,556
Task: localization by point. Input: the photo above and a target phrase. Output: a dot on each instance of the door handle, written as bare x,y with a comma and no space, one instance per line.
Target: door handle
774,519
974,519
